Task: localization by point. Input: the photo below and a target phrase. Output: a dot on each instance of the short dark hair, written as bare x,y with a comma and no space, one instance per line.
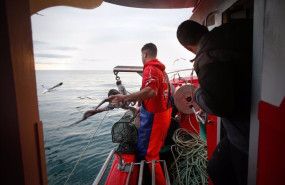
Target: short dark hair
150,48
190,32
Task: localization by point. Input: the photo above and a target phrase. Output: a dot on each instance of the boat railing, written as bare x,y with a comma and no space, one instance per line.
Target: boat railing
104,167
139,69
180,70
122,167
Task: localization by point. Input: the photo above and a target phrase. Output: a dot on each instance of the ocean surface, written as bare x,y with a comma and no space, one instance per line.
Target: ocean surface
64,142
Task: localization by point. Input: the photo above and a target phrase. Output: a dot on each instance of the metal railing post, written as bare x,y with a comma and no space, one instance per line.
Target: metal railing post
141,172
153,172
166,173
130,172
104,168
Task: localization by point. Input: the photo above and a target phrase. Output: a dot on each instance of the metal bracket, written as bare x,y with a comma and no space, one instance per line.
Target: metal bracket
201,118
137,69
122,166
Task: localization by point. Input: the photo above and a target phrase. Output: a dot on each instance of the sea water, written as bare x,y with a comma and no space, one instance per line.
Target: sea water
64,143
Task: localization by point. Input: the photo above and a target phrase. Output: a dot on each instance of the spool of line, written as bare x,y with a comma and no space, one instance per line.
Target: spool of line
183,98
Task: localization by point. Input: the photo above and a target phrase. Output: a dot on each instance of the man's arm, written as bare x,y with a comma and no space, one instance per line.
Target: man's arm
200,101
216,92
143,94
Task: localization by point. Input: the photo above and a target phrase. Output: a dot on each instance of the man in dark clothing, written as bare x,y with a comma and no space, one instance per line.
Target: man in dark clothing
223,64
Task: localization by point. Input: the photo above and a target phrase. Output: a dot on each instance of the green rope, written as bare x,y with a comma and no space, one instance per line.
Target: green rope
85,149
190,159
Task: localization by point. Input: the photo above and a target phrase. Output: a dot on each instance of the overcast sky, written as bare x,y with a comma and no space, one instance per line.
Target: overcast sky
67,38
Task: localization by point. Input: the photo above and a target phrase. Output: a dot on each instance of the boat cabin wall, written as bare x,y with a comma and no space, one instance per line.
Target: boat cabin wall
22,152
212,13
268,73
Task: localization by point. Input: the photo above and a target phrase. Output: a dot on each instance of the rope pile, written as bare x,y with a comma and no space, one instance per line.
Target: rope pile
190,159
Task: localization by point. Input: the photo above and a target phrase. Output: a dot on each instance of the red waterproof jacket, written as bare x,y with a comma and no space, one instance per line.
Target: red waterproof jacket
155,77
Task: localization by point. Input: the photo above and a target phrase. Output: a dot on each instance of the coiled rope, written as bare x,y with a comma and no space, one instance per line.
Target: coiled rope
71,173
190,159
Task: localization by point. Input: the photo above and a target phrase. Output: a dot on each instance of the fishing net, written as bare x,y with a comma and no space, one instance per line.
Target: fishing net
125,132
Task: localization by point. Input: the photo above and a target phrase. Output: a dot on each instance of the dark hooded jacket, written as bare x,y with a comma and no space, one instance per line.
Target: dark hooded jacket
223,65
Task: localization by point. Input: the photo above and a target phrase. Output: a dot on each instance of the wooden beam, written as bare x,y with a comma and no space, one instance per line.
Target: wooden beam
22,156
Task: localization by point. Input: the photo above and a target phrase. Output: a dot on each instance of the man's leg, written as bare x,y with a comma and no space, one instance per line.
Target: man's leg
240,165
160,127
220,166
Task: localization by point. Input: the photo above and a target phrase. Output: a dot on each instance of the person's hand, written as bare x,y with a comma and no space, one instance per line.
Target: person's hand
131,101
117,98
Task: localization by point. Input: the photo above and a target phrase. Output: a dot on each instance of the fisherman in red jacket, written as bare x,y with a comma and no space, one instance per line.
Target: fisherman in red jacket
155,110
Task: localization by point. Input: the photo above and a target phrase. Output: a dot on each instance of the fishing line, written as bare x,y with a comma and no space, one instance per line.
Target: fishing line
85,149
192,125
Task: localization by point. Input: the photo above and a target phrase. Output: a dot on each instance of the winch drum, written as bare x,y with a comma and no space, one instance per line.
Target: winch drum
184,97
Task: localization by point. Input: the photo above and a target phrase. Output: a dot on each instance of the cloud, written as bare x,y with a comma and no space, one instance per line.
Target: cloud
41,45
52,62
104,37
37,42
92,59
164,28
47,55
65,48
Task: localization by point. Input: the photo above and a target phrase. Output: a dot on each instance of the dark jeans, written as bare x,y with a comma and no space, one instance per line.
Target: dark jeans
228,165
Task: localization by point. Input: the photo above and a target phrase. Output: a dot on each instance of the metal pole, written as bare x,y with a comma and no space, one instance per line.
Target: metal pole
130,172
166,173
104,168
153,172
141,172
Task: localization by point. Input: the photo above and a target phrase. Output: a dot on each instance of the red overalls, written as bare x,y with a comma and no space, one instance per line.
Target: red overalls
155,116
